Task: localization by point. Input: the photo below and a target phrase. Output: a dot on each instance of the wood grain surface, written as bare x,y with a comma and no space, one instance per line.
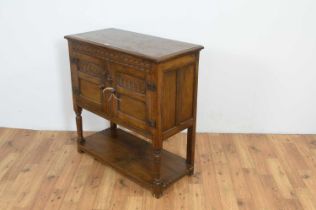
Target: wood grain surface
43,170
147,46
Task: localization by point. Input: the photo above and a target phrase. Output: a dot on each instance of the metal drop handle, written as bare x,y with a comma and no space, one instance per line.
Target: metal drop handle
109,89
113,93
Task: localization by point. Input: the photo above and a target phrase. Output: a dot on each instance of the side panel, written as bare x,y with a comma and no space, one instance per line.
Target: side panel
169,96
185,88
177,99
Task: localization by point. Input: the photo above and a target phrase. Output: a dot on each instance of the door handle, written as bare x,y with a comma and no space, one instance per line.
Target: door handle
112,90
113,93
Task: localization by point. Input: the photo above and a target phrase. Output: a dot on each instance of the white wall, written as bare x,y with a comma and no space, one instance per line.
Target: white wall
257,72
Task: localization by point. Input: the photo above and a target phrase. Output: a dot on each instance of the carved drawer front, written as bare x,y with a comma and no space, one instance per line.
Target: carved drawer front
92,78
130,86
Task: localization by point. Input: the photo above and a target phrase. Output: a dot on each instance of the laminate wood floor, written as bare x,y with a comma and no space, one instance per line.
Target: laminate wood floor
42,170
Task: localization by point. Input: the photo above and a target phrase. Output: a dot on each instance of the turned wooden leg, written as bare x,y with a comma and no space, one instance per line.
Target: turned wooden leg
113,126
80,139
157,184
190,149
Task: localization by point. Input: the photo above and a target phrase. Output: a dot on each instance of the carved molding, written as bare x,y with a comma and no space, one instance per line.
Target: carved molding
131,83
112,56
91,68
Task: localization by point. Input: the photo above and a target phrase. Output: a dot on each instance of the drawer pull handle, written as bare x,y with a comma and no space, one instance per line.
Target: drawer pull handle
113,93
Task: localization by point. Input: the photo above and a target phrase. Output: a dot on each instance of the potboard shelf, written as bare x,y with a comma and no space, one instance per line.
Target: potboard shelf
133,157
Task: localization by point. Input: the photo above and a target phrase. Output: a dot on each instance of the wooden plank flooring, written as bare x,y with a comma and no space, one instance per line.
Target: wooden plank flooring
42,170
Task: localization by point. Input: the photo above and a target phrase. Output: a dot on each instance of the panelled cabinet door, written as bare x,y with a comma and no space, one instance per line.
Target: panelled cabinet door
92,77
130,92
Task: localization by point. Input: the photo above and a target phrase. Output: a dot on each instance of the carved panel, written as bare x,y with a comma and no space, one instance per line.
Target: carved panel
131,83
91,68
112,56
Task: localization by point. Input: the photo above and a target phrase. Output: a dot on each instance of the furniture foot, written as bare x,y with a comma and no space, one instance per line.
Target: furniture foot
80,150
190,170
157,189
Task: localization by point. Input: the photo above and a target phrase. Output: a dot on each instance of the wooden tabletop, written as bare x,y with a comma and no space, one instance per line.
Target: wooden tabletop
150,47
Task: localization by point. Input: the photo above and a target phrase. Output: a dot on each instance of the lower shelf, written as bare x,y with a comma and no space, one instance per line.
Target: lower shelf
133,157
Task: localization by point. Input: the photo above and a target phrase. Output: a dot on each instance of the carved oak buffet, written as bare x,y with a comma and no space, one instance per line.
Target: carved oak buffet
145,84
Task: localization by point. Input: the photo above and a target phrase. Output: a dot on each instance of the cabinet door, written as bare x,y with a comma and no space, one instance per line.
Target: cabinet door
92,76
130,90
